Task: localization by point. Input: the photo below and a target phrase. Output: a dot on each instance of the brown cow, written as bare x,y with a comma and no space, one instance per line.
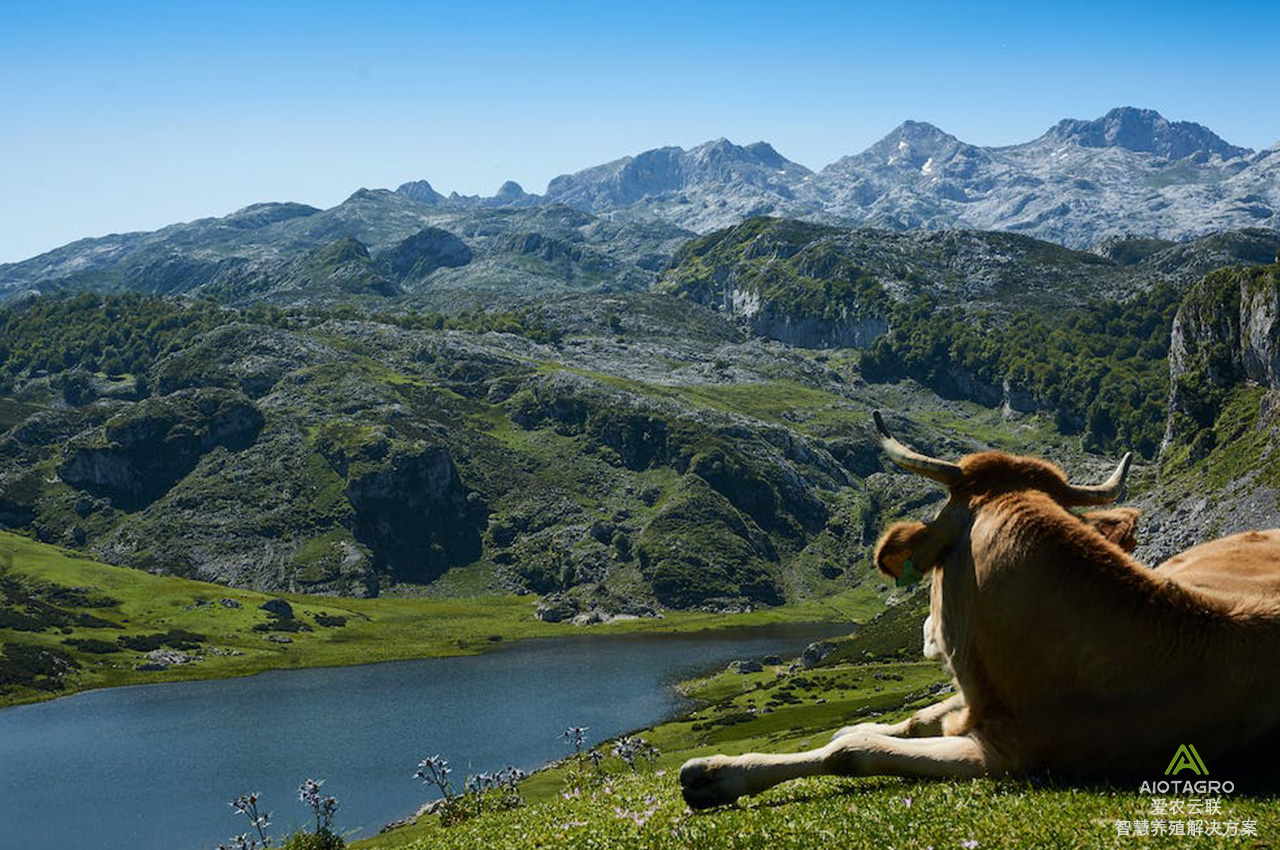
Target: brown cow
1068,655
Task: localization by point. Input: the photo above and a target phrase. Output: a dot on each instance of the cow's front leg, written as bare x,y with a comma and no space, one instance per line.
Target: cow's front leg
928,722
719,780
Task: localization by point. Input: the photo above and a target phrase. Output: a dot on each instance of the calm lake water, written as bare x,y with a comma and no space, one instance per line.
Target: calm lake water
152,767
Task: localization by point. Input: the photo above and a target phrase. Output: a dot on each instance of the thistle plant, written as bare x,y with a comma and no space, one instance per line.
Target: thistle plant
576,736
435,770
323,808
497,790
324,838
630,748
247,805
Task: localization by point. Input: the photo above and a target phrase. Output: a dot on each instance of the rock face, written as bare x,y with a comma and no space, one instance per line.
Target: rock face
410,507
142,453
817,286
1225,333
1218,466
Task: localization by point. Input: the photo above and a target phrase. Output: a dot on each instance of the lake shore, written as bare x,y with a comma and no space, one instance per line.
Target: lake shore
239,638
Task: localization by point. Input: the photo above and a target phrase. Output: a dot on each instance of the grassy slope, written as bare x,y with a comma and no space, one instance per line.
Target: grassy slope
863,681
860,813
376,629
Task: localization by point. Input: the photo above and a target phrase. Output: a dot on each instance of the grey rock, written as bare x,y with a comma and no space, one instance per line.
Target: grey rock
280,607
556,609
746,666
815,652
162,659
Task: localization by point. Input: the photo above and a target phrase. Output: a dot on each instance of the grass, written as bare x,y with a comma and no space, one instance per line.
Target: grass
622,809
382,629
843,813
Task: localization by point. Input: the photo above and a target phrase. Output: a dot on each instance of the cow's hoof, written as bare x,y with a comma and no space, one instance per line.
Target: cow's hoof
708,782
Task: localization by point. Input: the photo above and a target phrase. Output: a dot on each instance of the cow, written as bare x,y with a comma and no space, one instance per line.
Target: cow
1068,656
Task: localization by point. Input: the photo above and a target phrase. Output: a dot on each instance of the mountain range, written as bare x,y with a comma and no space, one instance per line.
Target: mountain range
580,395
618,225
1131,171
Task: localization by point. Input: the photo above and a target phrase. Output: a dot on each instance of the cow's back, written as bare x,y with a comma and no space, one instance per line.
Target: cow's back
1243,569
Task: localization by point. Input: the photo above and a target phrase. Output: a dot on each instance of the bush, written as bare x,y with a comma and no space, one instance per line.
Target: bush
322,840
93,645
174,639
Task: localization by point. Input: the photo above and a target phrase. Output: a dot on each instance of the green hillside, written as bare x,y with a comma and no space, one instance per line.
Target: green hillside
69,624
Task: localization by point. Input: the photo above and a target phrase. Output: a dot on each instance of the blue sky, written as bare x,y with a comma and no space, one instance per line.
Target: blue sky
129,118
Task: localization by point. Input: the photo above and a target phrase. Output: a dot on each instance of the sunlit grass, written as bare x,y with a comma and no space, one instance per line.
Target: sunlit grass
382,629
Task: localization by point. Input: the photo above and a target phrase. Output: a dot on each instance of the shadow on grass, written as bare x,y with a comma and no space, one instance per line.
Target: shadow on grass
1251,782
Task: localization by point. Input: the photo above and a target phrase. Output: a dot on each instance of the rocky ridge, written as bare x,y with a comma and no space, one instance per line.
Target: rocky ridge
1131,171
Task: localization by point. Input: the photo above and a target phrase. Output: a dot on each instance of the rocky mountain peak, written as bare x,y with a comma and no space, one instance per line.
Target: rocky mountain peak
764,153
421,191
1144,131
510,192
721,153
915,145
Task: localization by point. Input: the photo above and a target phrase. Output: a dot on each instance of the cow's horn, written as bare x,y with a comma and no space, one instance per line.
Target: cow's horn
1107,491
911,460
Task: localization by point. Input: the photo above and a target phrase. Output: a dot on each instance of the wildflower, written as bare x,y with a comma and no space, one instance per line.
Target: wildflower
247,805
435,771
629,748
323,808
575,736
309,792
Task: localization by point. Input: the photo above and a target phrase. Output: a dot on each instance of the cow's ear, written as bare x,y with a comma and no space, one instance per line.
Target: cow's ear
898,548
1119,525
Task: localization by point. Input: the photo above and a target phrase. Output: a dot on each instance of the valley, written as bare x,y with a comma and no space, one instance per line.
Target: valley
415,426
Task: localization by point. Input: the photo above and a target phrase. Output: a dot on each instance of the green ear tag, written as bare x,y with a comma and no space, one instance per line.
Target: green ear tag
910,575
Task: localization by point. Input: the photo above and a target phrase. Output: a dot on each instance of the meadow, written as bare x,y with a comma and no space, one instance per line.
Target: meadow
68,624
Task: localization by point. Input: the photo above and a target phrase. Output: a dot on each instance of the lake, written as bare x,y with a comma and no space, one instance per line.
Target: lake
152,767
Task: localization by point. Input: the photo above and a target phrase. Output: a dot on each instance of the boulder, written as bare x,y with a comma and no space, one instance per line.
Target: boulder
278,607
162,659
815,652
